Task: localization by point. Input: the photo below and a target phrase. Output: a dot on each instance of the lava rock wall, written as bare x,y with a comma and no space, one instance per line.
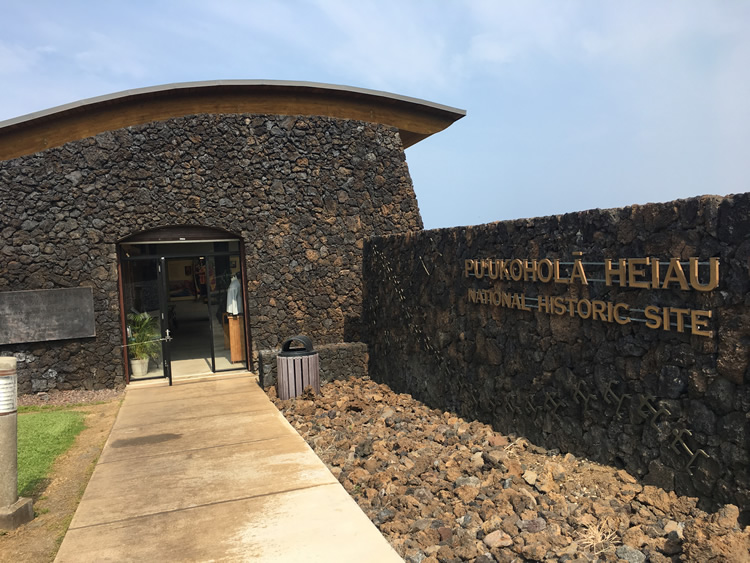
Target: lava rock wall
671,406
301,192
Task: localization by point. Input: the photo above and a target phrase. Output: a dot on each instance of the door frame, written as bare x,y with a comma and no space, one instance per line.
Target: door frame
166,353
179,234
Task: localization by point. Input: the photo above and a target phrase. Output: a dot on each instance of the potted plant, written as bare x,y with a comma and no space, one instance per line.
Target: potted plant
143,342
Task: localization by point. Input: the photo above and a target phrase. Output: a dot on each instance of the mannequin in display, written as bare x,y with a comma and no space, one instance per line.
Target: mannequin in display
236,324
199,274
234,296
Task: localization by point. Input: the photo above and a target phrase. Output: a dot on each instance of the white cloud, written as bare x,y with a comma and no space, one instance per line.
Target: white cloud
382,44
17,59
624,32
385,43
111,55
505,31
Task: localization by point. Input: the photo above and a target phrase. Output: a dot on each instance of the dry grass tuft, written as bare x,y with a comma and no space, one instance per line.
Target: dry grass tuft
597,539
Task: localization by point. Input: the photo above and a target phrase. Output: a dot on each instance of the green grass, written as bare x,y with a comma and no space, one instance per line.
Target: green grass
42,436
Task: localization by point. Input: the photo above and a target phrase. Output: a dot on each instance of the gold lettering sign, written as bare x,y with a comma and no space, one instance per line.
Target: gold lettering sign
636,273
640,273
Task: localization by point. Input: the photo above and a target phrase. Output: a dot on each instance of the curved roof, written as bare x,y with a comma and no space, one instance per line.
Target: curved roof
416,119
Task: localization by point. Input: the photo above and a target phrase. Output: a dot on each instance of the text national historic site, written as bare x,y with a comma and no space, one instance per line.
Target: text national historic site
639,273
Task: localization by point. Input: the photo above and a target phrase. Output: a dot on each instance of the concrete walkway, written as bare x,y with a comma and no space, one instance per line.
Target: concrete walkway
209,470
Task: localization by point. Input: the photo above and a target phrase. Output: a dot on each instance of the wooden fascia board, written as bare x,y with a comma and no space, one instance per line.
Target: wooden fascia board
415,119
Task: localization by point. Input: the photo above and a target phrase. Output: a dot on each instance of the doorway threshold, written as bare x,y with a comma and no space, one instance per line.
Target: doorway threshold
194,378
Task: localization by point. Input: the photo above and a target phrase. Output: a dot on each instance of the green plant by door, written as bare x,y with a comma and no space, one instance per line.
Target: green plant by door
143,336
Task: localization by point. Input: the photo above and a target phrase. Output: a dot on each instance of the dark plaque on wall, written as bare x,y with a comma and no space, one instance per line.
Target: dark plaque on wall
46,314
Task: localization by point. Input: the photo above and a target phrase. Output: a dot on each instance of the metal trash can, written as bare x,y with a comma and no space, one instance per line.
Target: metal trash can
297,368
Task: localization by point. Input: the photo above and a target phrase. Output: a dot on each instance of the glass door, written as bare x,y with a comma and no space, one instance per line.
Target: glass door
146,318
188,308
226,314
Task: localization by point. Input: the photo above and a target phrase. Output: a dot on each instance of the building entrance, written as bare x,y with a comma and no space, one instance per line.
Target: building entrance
189,296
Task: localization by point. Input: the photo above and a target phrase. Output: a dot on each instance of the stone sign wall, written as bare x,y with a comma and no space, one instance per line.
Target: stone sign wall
622,335
301,192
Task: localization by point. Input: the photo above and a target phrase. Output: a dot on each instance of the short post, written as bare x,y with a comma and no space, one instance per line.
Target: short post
14,511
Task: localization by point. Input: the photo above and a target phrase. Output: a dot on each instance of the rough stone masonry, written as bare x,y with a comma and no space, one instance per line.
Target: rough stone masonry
650,377
301,192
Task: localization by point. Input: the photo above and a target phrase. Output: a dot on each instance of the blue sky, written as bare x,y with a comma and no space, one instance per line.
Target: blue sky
572,104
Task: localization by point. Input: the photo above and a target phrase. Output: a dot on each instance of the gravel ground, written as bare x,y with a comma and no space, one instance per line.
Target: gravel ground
72,397
443,489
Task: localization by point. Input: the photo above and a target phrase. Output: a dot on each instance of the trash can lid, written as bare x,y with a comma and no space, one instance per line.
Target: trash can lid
308,349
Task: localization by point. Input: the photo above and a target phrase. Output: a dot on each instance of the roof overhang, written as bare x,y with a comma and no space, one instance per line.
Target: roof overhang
415,119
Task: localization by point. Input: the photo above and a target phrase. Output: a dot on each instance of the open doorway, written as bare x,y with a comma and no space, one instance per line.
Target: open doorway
206,319
193,290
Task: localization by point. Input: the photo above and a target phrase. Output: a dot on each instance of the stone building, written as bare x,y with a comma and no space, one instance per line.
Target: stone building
228,215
